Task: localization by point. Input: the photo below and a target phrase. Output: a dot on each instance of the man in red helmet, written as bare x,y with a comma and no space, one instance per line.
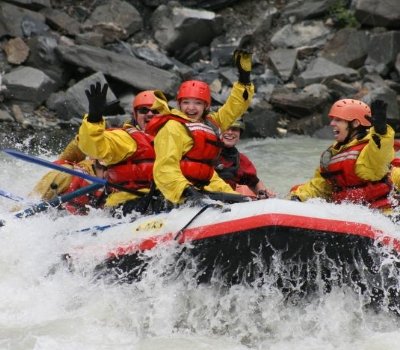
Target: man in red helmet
141,115
127,152
356,167
129,160
141,108
187,140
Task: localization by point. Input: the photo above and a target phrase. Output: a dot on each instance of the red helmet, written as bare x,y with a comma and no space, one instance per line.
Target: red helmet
348,109
144,98
195,89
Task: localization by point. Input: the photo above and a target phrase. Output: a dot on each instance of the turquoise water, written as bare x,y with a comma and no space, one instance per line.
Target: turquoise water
65,311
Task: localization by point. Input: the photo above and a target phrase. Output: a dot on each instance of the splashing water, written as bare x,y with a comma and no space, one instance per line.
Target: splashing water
46,308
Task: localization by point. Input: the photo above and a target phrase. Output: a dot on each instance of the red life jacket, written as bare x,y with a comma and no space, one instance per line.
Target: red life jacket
347,186
78,205
236,169
396,162
137,171
197,165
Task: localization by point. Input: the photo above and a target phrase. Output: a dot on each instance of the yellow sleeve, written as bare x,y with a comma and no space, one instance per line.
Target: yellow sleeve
52,184
395,177
316,187
219,185
170,143
109,146
235,106
72,153
374,160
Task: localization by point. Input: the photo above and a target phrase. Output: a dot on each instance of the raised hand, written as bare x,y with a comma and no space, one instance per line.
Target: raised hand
97,97
378,116
242,58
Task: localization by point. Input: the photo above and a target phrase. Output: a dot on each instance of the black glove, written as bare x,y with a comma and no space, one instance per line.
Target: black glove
242,60
295,199
96,96
194,197
378,116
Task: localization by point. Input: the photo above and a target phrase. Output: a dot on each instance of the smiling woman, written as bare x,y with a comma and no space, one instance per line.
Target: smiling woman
356,167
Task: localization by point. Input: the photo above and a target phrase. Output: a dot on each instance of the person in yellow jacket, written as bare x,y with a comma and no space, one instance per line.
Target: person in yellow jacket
127,152
56,182
141,115
187,141
356,167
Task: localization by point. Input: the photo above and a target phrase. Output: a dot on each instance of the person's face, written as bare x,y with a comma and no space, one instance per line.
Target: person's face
144,115
340,129
193,107
231,137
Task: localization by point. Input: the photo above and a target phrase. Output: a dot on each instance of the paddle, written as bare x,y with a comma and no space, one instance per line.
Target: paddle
45,163
11,196
55,202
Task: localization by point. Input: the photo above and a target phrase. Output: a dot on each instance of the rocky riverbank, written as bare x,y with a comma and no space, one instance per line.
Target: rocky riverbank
306,55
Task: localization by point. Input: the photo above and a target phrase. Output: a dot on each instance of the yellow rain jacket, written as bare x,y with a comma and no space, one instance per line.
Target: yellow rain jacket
372,165
173,141
109,147
72,153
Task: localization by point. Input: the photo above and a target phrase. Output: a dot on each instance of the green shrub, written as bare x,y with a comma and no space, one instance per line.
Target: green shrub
342,16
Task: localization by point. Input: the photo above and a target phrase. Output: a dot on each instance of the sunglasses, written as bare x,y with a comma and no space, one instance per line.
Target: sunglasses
145,110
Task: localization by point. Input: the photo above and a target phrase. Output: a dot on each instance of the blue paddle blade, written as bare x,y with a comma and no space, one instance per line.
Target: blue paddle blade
39,161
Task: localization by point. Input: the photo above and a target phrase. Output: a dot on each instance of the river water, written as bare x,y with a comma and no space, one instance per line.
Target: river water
64,311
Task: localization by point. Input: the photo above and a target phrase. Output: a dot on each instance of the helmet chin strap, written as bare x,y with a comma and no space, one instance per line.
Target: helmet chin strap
357,132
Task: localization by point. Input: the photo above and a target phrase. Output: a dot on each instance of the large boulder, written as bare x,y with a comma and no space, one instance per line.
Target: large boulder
378,13
176,27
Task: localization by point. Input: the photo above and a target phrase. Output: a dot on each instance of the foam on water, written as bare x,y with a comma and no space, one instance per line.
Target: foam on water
69,311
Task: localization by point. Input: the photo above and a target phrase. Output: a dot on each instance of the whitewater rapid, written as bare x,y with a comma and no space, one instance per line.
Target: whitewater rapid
43,306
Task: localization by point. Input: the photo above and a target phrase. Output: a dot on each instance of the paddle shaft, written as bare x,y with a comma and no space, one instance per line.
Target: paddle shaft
11,196
55,202
47,164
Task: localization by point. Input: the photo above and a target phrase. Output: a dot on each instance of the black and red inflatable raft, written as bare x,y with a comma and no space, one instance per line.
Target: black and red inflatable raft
296,246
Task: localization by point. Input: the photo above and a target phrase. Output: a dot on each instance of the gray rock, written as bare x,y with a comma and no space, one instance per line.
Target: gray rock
321,69
307,9
342,89
73,103
261,122
292,36
383,50
5,116
348,48
28,84
42,56
153,56
307,125
299,104
378,13
125,68
33,4
61,21
115,19
283,62
20,22
175,26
